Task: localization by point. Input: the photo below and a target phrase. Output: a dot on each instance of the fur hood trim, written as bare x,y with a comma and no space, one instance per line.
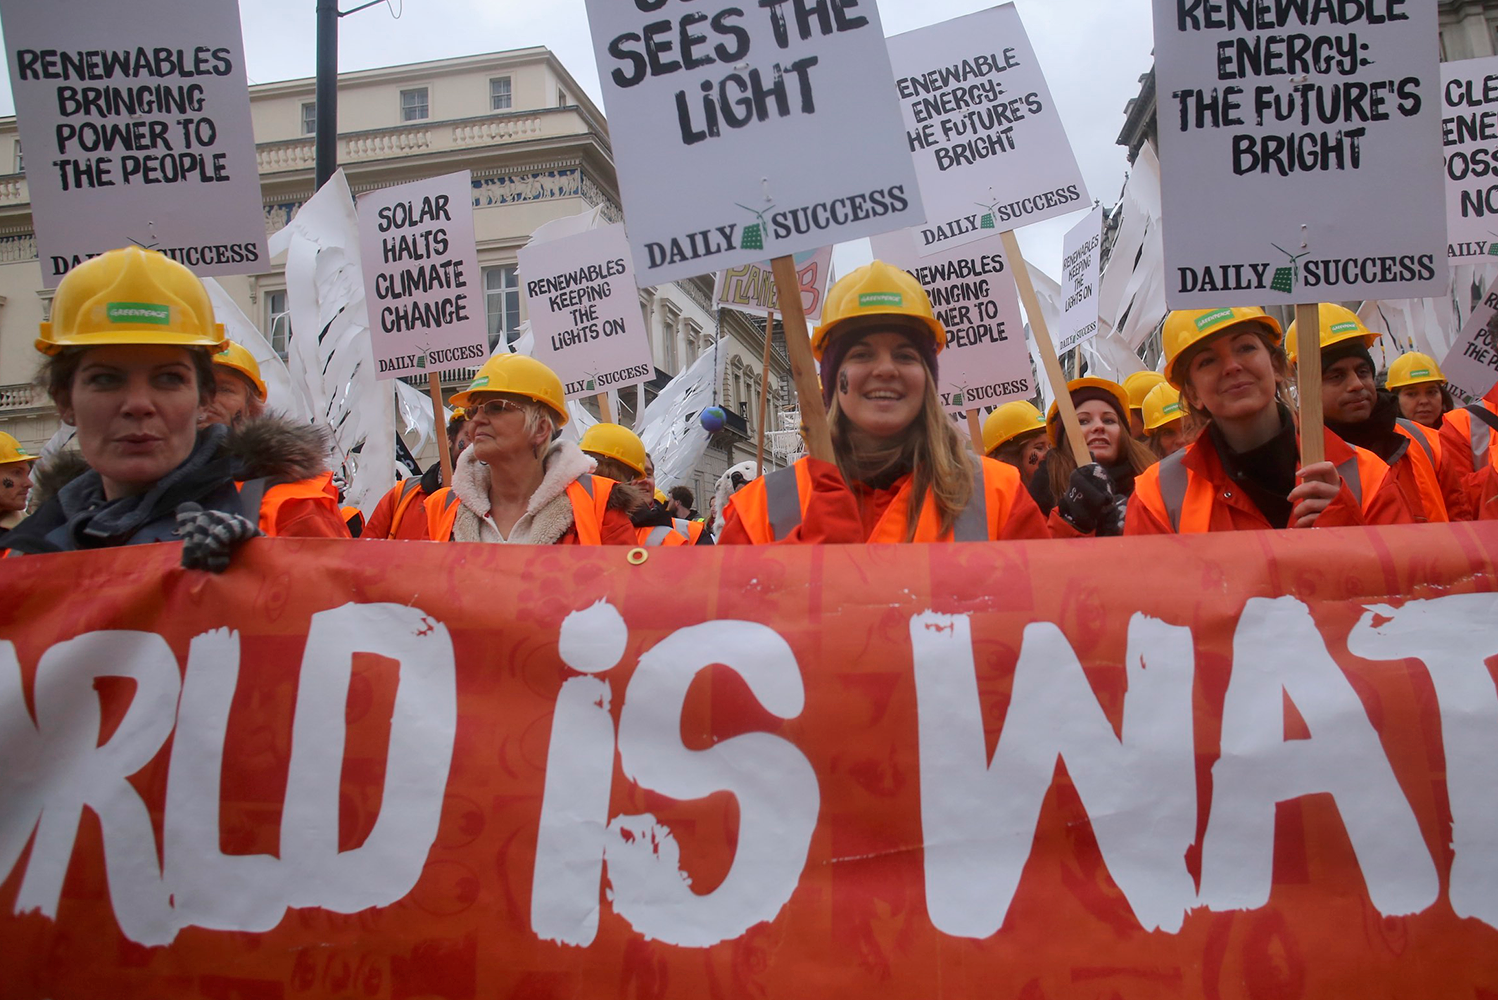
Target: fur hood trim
52,473
278,448
563,463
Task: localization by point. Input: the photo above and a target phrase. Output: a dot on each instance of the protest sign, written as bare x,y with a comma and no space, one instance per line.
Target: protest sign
1300,149
990,150
585,311
1469,97
1471,366
1081,258
747,131
135,119
517,771
985,361
751,287
420,269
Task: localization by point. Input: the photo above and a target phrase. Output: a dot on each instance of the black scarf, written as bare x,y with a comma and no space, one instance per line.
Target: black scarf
1266,473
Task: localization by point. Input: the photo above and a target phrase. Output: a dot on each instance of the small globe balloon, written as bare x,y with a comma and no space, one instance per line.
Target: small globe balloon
712,419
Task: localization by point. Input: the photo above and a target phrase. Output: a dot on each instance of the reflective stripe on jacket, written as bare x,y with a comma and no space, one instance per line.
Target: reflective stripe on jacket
587,510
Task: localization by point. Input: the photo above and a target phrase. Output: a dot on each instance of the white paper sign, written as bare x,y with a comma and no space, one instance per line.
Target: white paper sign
1469,137
1081,256
1300,149
421,276
990,151
1472,364
972,290
585,311
750,288
135,121
749,130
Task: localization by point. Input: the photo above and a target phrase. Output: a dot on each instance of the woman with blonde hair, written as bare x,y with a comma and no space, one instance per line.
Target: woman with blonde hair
901,471
1243,471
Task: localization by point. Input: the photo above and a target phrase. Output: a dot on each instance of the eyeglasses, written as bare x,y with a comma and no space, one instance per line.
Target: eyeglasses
492,409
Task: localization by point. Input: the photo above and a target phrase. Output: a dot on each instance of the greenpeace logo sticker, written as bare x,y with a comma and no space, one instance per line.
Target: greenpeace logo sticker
1171,408
479,383
868,299
1344,328
138,312
1418,372
1211,318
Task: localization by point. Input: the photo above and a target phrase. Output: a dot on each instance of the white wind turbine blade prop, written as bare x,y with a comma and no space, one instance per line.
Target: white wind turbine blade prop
329,352
415,409
669,425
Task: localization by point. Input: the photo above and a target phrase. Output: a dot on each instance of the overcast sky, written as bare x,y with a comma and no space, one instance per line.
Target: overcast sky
1092,51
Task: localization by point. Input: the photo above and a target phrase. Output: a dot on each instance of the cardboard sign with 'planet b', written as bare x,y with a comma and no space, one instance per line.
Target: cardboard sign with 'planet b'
744,131
1300,149
751,287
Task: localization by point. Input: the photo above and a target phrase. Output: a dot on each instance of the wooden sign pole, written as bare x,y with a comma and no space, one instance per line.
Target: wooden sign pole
764,396
1047,349
803,366
1308,380
605,412
434,386
975,431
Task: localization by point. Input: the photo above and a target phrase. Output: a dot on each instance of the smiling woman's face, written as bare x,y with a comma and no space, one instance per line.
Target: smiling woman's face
136,409
881,384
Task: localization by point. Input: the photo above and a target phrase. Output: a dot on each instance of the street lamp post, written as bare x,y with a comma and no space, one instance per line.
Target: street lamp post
327,84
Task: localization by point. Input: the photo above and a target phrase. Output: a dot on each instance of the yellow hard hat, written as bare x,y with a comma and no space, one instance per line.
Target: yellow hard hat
660,497
1162,405
1185,328
11,451
1052,416
1009,421
242,361
518,375
130,296
874,290
1412,369
1338,324
616,442
1139,384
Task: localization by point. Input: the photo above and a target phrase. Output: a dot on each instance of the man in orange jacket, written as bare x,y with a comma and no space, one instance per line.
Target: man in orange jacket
1466,436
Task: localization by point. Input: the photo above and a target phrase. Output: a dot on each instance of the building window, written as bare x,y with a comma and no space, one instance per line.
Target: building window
502,303
277,321
499,94
20,160
309,118
414,105
561,98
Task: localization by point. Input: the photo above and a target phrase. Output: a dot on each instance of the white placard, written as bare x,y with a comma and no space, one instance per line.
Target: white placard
135,122
585,311
750,288
972,290
1300,149
1472,364
421,276
1469,139
1081,257
743,131
990,151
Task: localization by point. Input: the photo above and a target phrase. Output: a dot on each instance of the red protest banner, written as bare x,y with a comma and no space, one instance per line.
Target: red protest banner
402,770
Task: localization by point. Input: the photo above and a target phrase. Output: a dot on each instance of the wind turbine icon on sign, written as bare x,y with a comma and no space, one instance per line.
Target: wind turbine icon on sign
1284,277
754,234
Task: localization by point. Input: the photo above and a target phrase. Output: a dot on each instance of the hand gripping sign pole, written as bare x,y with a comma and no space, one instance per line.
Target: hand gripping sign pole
1047,349
814,428
1308,378
764,395
434,386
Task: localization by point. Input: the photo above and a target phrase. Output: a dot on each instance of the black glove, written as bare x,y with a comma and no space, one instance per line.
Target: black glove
1089,500
209,536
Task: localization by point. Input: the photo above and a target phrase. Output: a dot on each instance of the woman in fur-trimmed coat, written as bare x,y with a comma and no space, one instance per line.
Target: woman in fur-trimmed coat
516,484
269,470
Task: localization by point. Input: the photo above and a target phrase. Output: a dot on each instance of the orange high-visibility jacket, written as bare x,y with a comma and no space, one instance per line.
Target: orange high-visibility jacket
809,503
389,518
307,508
588,494
1190,491
1466,436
